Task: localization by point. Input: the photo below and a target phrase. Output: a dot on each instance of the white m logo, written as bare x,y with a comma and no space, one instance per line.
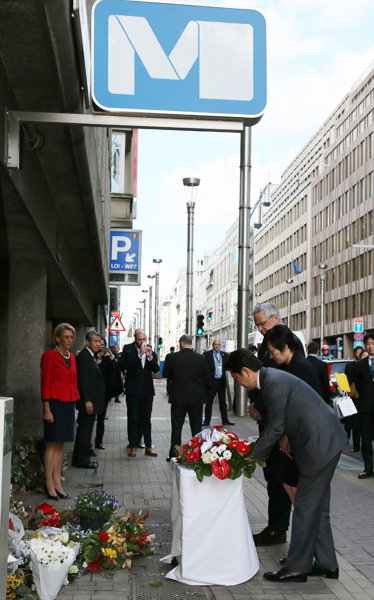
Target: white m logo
225,52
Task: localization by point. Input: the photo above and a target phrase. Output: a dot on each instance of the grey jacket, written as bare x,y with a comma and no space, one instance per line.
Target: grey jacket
295,409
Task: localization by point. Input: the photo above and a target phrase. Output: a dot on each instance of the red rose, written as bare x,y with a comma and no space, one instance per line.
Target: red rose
95,565
197,453
221,468
103,537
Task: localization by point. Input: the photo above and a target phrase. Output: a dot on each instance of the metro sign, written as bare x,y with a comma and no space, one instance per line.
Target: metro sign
175,59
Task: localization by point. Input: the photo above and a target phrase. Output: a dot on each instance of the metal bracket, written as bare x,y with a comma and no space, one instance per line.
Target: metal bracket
11,149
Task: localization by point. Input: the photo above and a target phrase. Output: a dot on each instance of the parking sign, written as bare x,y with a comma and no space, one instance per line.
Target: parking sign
125,251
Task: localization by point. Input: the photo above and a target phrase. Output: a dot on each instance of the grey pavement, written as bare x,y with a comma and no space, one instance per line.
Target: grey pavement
144,483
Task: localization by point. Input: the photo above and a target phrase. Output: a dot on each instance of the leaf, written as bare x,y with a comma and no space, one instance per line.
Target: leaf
199,475
206,470
22,590
261,463
156,583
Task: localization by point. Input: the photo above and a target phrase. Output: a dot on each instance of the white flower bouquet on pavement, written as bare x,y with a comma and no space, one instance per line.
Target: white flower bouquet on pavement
51,561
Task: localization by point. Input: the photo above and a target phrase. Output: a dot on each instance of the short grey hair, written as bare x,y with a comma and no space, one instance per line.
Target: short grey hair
268,308
186,339
91,334
60,328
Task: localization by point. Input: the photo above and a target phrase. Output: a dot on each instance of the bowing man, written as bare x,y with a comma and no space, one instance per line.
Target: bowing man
316,439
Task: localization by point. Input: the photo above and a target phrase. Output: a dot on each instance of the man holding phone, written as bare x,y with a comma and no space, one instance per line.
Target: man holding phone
139,362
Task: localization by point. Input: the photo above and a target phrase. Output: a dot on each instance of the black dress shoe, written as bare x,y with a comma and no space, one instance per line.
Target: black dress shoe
365,475
90,465
269,537
93,453
205,424
285,575
320,572
99,447
229,423
63,496
355,450
282,560
168,459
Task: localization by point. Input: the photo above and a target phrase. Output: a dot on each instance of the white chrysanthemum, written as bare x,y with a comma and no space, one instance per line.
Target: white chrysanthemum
222,448
207,458
227,454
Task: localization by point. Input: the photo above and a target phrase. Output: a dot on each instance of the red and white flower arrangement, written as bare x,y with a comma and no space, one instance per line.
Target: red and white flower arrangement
218,452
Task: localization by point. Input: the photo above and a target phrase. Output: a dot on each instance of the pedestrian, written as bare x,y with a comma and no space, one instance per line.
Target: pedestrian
326,355
352,423
216,360
315,439
117,356
92,390
59,391
252,348
266,316
139,362
107,363
188,374
363,379
282,348
321,370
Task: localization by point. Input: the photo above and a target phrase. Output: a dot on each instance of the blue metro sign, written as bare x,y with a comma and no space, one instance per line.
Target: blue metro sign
176,59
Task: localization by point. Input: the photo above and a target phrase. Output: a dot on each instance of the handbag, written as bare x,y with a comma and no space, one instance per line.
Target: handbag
344,406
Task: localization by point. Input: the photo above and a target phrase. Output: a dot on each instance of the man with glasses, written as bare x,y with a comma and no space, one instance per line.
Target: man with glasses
265,317
363,377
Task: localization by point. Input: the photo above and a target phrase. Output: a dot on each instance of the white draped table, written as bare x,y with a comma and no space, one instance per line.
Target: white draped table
212,539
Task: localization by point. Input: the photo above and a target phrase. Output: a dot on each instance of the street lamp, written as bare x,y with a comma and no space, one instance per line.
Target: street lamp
143,309
150,307
157,275
145,306
190,186
322,275
289,281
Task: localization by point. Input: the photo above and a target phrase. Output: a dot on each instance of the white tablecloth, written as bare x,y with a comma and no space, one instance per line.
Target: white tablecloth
212,539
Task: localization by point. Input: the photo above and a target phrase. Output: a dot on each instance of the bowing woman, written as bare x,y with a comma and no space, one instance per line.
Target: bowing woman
282,347
59,393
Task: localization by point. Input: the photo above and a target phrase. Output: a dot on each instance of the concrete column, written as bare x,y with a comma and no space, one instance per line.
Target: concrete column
22,331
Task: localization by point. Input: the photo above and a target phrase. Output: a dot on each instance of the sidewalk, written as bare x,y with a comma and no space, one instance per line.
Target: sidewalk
144,483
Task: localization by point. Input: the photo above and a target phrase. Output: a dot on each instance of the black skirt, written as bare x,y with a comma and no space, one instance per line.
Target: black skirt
62,428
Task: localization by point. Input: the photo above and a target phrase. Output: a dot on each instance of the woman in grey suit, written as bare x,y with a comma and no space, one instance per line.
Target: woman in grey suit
282,348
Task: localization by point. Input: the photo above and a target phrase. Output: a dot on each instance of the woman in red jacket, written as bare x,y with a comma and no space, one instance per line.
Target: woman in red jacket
59,393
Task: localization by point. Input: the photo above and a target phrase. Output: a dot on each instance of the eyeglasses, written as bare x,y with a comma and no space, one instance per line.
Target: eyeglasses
263,322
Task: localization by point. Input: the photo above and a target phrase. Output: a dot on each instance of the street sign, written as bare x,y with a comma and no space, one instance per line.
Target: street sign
180,60
358,337
114,314
125,248
116,325
358,325
358,344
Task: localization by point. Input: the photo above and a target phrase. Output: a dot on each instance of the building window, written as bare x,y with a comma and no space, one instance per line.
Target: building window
363,190
354,196
347,201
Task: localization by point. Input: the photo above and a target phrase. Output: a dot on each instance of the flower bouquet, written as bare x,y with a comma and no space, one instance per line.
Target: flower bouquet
50,562
94,508
220,453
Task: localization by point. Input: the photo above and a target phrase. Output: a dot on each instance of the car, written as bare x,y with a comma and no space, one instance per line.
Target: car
336,365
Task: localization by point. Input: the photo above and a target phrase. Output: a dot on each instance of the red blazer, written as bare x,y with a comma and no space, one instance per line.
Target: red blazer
57,380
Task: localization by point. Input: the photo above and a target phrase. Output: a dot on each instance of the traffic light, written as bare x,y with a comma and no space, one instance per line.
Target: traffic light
160,342
199,324
210,315
340,345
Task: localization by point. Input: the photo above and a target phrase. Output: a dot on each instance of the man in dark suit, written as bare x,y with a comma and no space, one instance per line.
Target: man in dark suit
139,362
266,316
188,376
321,370
363,378
216,361
315,438
92,390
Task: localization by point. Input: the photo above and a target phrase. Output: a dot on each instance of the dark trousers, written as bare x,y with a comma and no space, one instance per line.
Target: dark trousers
82,446
311,529
219,388
352,426
178,414
279,506
367,430
139,412
100,427
140,431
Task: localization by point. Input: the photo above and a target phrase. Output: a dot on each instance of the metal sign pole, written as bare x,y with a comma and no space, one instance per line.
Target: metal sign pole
243,271
189,298
150,315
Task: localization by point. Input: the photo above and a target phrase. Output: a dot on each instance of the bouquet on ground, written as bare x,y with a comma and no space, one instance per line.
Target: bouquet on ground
51,560
115,545
218,452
